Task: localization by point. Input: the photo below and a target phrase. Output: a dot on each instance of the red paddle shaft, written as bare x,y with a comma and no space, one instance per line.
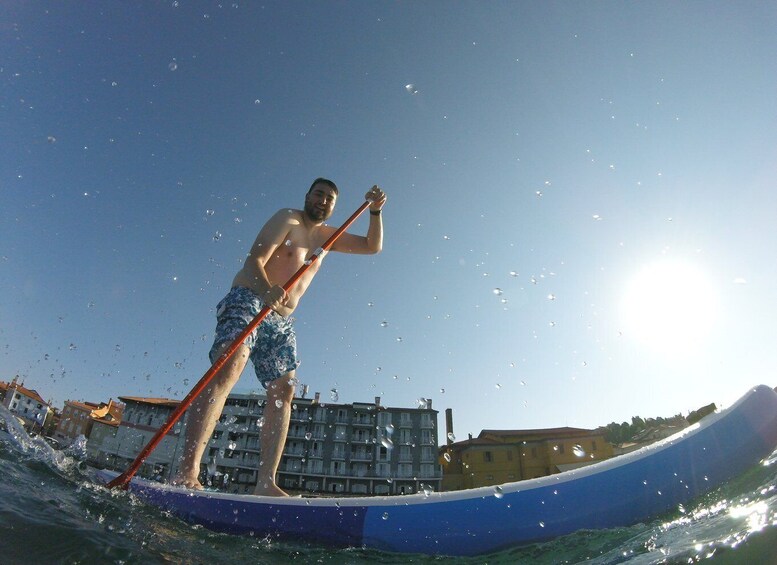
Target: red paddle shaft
123,480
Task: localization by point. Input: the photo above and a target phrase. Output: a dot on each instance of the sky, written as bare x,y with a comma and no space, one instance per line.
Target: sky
579,226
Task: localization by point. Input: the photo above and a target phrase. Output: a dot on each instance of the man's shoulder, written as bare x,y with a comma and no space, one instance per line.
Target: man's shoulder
287,215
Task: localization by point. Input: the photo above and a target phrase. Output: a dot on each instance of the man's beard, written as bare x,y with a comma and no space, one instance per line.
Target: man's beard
315,214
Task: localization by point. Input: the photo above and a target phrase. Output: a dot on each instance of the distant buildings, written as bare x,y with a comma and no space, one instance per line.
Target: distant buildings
26,404
501,456
359,448
78,419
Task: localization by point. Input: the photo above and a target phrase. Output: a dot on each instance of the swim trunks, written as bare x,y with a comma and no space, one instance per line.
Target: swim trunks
273,344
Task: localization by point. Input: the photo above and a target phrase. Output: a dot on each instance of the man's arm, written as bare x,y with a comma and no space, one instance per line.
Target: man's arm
373,241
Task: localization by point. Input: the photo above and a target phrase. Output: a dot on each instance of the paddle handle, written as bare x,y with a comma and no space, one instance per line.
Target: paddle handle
122,481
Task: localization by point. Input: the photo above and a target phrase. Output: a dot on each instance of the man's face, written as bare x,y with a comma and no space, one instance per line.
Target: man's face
320,202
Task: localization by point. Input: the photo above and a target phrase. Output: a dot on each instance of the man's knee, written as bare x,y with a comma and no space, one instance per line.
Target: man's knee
282,388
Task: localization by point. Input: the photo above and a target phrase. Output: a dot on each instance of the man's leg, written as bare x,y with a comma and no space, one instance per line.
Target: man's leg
203,414
272,438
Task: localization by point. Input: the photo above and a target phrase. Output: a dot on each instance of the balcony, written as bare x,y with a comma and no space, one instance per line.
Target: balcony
362,420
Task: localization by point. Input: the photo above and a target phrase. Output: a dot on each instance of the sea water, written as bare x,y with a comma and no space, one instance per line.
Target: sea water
51,511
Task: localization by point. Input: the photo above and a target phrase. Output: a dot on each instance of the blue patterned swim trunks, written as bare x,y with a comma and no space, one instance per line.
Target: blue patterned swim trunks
273,344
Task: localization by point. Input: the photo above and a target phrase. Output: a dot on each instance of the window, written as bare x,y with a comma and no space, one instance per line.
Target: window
509,455
487,457
384,419
427,471
593,445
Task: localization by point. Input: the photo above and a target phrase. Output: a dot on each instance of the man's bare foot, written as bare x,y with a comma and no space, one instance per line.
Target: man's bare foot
269,488
187,482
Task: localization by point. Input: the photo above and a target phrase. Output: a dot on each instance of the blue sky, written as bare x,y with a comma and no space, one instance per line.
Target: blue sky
539,158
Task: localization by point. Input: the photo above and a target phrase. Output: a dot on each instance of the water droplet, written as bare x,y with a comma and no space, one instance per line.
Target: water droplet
51,139
411,88
387,443
451,437
385,515
447,457
260,422
288,243
217,236
212,467
390,429
308,436
173,65
232,445
427,489
421,402
279,403
497,386
334,395
497,291
383,324
370,304
72,347
542,524
578,451
498,492
446,237
551,297
513,273
209,212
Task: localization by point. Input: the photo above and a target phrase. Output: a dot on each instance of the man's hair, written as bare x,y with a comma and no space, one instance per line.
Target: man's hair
327,182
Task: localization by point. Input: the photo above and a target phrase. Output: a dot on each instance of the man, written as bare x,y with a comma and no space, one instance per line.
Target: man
280,249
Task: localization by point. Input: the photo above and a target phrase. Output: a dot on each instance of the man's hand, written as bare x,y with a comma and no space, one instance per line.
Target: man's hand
376,197
275,297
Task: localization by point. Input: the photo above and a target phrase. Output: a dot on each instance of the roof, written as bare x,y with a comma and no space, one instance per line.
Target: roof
539,431
85,406
28,392
538,434
169,402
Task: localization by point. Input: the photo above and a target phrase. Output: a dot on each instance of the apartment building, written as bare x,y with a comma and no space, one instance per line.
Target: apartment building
357,449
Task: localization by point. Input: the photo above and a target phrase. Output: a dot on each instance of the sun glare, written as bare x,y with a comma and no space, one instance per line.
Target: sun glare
669,306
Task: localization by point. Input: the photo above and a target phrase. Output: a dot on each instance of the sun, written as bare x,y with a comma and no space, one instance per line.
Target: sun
669,306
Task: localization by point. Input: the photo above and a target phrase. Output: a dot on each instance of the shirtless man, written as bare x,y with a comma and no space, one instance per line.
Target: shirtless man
280,249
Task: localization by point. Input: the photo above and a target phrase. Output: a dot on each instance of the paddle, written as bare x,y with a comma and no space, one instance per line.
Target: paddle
122,481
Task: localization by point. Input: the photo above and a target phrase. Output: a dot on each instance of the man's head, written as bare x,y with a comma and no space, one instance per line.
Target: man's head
320,199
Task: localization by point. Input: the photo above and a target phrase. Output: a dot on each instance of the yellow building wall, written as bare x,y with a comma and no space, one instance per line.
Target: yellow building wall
478,466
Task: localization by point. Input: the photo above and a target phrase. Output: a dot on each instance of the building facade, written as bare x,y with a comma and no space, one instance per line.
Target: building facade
502,456
141,419
360,448
78,418
25,404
